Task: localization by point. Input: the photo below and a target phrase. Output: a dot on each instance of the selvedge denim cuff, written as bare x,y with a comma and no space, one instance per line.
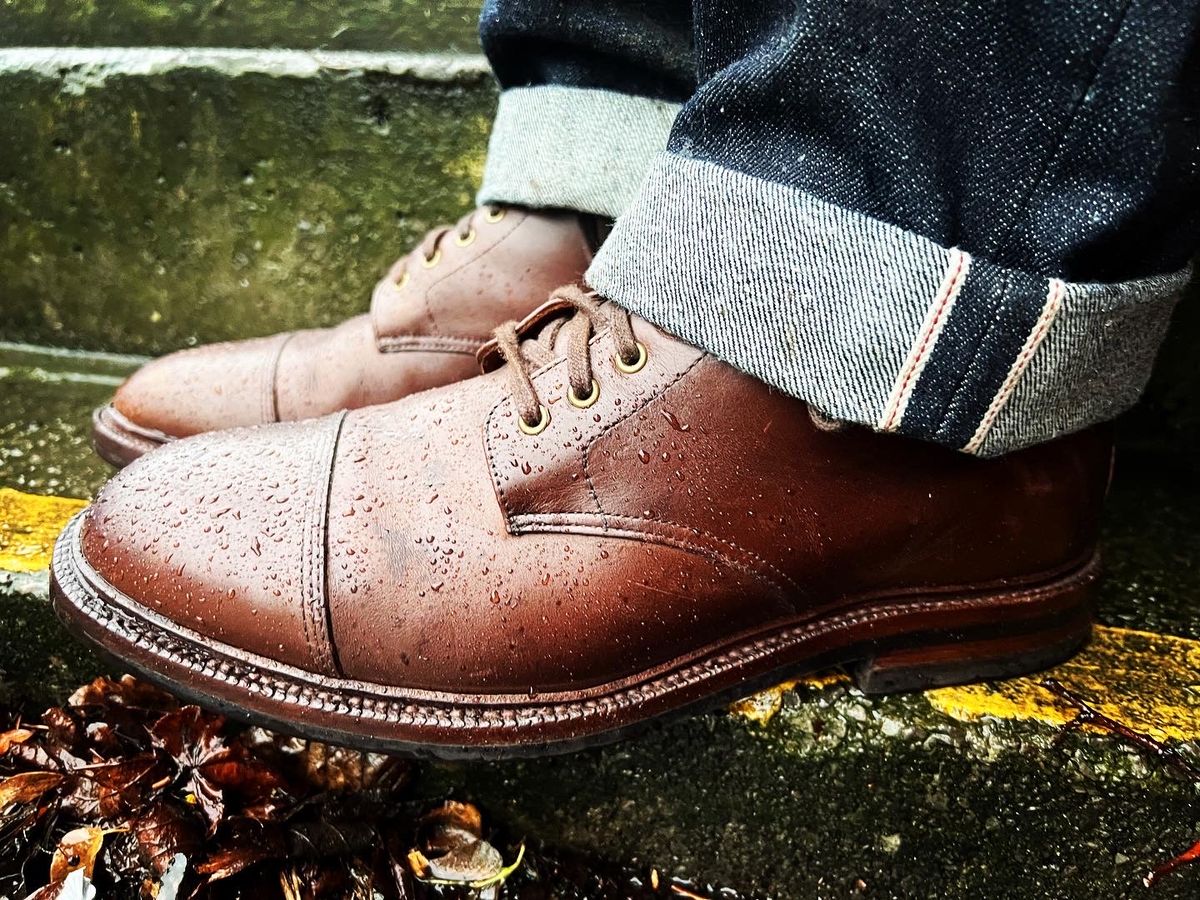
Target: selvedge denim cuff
873,324
573,148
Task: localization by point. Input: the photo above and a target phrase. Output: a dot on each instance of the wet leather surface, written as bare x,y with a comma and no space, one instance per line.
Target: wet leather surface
422,331
690,505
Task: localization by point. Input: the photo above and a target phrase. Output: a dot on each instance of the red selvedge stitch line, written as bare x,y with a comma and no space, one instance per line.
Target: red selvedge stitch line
949,287
1049,314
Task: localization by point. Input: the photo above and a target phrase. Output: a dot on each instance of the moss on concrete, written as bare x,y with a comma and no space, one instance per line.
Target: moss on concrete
153,212
339,24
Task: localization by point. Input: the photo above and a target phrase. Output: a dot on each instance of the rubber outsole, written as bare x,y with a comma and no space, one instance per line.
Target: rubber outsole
903,644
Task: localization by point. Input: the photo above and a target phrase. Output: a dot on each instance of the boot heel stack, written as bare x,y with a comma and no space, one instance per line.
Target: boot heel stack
1042,630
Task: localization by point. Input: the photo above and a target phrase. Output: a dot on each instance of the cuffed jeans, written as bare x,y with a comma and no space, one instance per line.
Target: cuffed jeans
963,222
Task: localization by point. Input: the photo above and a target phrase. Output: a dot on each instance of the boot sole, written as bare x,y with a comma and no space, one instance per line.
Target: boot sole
902,644
118,441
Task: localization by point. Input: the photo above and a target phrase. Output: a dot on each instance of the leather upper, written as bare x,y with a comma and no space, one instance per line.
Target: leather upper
431,544
427,318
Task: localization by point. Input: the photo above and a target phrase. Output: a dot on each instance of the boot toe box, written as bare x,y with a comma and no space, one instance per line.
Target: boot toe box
205,388
222,534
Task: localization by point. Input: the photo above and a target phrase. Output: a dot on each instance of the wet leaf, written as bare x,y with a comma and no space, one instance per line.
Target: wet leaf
164,832
11,738
189,735
77,849
75,886
114,790
63,728
437,875
452,816
331,768
247,843
418,863
208,765
26,787
453,850
227,863
127,691
470,861
289,881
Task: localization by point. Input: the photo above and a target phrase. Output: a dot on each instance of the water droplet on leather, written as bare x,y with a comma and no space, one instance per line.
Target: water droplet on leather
673,420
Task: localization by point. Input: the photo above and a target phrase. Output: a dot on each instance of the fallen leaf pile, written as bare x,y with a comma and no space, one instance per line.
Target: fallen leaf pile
125,793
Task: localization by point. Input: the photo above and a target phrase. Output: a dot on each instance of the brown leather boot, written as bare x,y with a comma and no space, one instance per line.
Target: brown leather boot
611,528
428,316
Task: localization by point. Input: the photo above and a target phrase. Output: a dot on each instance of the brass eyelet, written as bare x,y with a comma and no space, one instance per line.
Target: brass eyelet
403,279
539,426
430,261
637,365
584,402
465,240
495,215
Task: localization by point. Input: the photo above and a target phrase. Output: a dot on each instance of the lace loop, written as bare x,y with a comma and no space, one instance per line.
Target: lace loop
525,355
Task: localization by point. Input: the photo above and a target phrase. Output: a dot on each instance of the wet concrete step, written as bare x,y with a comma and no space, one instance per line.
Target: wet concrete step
448,25
811,790
154,198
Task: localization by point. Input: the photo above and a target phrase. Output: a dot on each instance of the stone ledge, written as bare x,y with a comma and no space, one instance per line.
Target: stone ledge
84,68
334,24
199,205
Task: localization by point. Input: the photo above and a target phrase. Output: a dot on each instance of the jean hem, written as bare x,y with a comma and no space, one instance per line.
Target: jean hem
573,148
874,324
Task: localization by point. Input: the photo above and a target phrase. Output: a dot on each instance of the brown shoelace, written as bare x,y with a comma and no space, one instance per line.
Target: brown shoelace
526,356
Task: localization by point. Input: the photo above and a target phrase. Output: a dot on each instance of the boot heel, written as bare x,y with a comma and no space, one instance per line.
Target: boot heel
969,653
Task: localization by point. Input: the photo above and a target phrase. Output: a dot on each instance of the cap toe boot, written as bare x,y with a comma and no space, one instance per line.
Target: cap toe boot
607,528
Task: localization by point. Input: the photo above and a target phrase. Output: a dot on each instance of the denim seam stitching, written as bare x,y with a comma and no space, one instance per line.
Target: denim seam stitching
956,274
1049,316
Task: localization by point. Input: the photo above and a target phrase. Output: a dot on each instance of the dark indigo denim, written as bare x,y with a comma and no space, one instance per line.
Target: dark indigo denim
1058,138
632,47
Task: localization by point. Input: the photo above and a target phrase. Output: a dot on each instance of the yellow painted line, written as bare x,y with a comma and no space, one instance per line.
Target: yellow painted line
29,523
762,707
1150,682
